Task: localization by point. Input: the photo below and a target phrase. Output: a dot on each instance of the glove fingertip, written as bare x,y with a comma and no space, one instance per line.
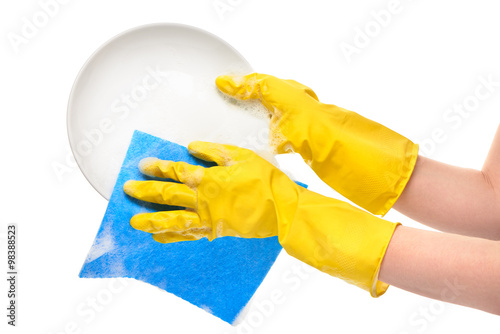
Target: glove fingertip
136,222
238,86
129,187
223,82
146,165
194,146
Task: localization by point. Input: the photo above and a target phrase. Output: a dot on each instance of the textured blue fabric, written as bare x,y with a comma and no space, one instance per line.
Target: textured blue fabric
219,276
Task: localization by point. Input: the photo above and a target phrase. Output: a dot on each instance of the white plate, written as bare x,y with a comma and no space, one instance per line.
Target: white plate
158,79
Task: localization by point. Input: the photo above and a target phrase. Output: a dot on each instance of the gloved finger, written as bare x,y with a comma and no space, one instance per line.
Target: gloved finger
241,87
159,192
178,171
274,93
169,237
221,154
171,226
166,221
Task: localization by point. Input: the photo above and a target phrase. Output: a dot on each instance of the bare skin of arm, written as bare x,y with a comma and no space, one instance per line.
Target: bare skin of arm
453,199
449,267
461,267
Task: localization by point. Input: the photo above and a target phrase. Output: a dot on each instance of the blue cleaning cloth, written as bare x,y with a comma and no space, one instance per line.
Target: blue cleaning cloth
219,276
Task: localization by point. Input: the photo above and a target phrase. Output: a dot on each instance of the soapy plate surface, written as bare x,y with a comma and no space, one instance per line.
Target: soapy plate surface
158,79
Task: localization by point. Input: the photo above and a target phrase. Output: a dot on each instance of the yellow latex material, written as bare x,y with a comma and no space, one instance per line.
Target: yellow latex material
246,196
361,159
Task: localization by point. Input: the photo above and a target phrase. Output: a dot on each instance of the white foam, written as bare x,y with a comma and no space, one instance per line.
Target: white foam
102,245
206,308
181,112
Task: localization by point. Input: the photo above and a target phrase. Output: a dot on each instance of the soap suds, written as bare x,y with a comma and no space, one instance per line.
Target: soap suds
182,108
102,245
206,308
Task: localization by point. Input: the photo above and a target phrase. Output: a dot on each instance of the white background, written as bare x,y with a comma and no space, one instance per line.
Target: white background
426,59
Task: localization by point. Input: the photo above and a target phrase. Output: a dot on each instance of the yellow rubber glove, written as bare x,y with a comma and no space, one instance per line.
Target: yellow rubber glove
361,159
246,196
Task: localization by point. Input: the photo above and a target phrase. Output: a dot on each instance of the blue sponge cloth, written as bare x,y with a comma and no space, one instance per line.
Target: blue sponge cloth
219,276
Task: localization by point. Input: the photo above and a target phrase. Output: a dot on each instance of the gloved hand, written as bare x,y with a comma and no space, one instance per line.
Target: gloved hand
361,159
246,196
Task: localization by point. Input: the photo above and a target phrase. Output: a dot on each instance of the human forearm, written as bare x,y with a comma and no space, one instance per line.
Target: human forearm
451,199
448,267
